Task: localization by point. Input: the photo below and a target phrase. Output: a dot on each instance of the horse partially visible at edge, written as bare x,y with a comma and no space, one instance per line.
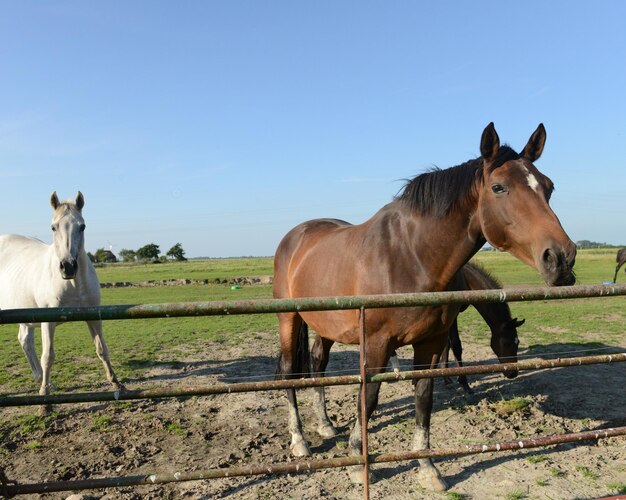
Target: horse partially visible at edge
416,243
34,274
620,258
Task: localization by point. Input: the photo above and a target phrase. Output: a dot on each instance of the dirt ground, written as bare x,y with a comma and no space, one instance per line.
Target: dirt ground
175,435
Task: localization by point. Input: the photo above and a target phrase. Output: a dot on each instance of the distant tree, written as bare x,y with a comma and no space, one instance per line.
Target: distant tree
103,255
148,252
91,257
176,252
590,244
128,255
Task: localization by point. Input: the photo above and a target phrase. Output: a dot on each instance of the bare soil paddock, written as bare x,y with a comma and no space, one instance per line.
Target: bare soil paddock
166,436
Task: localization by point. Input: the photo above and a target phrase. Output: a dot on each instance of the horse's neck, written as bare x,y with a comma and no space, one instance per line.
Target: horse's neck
439,246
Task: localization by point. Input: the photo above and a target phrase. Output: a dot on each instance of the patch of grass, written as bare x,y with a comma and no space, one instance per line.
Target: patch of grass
619,488
507,407
33,445
453,495
586,473
556,472
542,482
535,459
175,428
29,424
515,495
102,423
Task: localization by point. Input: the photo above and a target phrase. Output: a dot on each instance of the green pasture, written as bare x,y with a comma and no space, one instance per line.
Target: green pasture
551,326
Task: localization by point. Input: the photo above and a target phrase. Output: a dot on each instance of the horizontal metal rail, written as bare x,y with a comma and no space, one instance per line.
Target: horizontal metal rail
264,306
89,397
309,465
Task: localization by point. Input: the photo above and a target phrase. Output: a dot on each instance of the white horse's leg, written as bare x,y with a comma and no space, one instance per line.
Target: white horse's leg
47,357
26,336
95,328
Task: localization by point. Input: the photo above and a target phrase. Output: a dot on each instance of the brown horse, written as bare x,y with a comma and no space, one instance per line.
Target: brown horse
417,243
620,258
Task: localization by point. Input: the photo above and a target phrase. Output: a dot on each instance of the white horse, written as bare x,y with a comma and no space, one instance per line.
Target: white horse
34,274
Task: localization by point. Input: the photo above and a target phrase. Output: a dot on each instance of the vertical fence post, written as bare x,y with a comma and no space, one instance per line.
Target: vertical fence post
364,450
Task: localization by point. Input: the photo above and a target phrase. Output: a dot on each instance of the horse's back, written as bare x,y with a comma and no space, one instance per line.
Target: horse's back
297,245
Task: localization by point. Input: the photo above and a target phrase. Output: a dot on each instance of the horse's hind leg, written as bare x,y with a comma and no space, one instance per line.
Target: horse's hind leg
428,475
95,329
319,360
26,336
289,328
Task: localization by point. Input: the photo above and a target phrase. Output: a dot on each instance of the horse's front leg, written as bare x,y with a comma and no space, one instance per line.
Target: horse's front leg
95,329
47,358
428,476
320,353
26,336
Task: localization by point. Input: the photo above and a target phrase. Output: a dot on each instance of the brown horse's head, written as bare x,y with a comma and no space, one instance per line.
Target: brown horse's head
514,212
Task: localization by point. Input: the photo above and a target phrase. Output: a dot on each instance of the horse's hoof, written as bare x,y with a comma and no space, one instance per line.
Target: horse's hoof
356,474
326,431
431,480
45,411
300,449
467,390
119,387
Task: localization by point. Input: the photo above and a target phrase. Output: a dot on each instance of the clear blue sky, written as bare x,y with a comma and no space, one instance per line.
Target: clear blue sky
221,125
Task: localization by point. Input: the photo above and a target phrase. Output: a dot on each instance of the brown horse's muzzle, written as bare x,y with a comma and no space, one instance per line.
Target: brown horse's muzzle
557,265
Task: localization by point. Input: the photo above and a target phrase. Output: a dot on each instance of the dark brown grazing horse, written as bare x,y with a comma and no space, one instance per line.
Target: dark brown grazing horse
497,315
620,258
416,243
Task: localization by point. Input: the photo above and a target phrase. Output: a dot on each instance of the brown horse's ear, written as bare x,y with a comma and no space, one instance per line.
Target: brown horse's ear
534,148
54,200
80,201
489,143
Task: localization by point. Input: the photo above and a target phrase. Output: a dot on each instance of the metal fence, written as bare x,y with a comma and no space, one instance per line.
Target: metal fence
9,488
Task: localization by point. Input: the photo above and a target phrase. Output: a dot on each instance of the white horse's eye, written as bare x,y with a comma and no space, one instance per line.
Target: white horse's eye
54,228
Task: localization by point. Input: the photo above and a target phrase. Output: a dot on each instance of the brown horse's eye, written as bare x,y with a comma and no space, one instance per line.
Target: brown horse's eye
499,188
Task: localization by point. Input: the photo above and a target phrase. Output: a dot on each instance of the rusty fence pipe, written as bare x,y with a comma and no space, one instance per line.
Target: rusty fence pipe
206,390
264,306
309,465
363,377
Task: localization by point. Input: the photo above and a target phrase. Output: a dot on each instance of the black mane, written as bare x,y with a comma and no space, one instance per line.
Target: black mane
437,191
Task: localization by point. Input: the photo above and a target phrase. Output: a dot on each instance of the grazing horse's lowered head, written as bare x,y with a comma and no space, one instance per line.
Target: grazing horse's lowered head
509,221
68,233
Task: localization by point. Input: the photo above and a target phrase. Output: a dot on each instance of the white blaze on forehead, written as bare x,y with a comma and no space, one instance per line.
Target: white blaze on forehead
531,179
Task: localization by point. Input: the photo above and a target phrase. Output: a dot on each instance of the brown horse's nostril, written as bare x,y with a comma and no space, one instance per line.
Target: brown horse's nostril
550,259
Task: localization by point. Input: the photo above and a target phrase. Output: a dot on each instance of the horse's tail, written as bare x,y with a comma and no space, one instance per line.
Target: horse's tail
302,361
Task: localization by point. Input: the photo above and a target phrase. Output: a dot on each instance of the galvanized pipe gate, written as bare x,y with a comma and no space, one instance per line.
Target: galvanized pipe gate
9,488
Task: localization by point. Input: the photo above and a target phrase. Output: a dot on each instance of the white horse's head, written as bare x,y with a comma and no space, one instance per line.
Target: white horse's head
68,237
